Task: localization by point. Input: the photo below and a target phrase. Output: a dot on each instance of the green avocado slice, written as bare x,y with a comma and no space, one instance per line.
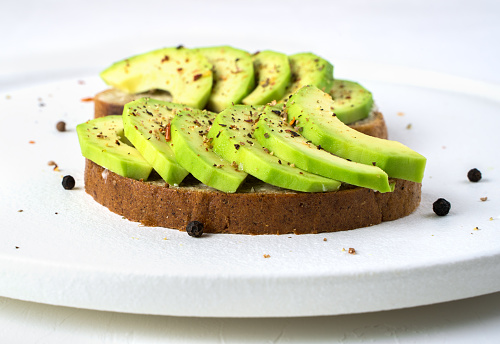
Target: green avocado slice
102,141
311,109
352,102
309,69
232,138
146,122
272,70
193,151
185,74
286,143
233,76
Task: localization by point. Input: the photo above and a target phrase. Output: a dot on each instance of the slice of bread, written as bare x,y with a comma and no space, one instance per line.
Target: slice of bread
111,102
257,208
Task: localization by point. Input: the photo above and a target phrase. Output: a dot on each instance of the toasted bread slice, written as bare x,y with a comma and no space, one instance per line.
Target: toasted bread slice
257,208
111,102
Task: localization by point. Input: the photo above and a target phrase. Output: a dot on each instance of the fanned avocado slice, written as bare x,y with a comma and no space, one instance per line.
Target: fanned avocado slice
232,138
147,122
309,69
352,102
286,143
272,70
102,141
311,109
185,74
233,76
194,152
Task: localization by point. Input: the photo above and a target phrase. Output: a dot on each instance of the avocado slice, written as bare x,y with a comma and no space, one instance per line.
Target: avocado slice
352,102
233,76
185,74
232,138
311,109
309,69
146,122
272,70
286,143
193,151
102,141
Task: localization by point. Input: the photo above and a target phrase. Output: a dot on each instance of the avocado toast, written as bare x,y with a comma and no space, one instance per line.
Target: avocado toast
248,187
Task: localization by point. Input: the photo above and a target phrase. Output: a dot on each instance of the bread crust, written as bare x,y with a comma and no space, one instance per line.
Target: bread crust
111,102
251,211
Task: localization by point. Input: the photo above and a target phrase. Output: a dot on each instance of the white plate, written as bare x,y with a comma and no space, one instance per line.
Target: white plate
65,249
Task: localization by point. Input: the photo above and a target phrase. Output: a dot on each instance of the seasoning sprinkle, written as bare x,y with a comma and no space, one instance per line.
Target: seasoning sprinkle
167,133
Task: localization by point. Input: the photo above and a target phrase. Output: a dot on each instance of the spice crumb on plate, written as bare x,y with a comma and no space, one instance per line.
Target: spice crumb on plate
351,250
484,199
53,163
267,256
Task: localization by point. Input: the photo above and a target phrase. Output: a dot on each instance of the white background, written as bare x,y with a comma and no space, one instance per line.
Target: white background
42,41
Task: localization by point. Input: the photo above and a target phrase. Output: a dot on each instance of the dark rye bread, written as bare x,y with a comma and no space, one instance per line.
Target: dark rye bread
257,208
111,102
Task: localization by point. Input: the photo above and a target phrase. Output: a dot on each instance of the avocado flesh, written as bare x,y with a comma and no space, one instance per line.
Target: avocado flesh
233,139
145,122
286,143
309,69
311,109
184,73
233,76
272,70
102,141
194,153
352,102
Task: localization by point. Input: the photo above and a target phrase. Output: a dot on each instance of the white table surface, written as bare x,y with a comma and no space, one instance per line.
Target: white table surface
46,40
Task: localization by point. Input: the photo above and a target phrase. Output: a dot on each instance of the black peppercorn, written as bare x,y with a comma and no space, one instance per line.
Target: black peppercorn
474,175
441,207
61,126
195,229
68,182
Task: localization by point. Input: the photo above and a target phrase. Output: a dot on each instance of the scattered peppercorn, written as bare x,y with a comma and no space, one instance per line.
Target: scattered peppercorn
68,182
441,207
352,250
474,175
61,126
195,229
